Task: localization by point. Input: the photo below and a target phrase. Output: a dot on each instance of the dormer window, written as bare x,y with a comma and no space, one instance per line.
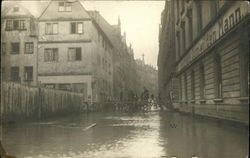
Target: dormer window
64,7
15,9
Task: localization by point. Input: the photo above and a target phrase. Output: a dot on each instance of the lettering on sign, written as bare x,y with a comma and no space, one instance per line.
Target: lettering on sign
225,23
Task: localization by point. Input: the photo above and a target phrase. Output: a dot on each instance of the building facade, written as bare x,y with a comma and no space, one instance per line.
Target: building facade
18,46
212,58
74,52
123,59
166,58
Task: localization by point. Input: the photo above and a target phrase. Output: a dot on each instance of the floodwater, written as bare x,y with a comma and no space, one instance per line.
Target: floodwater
122,135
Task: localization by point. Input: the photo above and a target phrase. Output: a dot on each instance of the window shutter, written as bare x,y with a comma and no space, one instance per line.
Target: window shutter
78,54
79,28
55,28
73,27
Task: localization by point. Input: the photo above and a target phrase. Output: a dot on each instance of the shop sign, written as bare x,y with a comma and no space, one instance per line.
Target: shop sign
225,23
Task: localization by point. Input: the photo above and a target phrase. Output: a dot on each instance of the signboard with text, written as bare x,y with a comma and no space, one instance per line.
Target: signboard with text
225,23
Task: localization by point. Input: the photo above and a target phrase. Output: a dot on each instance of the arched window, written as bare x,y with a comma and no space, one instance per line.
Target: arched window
218,76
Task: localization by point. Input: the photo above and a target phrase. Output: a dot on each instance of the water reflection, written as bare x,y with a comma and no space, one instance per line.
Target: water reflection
117,135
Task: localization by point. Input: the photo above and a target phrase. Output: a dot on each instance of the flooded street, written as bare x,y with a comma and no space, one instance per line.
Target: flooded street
121,135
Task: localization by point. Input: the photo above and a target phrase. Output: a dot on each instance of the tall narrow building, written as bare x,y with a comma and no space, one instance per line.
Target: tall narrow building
18,45
74,53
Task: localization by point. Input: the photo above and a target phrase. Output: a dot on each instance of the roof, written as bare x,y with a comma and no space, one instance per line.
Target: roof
109,30
78,11
8,11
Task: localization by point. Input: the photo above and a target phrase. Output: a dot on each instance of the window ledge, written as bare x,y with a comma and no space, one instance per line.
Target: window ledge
192,101
243,99
202,101
218,100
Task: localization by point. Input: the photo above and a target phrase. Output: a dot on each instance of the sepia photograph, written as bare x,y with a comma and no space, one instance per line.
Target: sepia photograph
124,79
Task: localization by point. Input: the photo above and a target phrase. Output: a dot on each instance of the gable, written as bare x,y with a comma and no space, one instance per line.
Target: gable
52,11
17,11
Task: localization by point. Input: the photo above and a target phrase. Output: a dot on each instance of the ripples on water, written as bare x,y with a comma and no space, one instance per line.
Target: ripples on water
149,135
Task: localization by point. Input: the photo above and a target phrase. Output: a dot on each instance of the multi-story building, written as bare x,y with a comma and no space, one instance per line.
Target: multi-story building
123,58
166,57
73,51
18,45
212,58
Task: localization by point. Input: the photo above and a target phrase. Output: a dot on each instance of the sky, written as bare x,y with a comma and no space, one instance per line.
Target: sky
139,19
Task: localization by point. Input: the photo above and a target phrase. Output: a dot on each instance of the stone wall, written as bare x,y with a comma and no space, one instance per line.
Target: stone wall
20,102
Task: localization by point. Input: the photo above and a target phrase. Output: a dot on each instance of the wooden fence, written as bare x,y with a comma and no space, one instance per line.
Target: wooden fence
21,101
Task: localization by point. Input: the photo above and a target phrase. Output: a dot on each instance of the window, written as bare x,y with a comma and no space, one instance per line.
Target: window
178,45
202,82
199,15
51,54
185,85
74,54
15,25
3,49
64,86
68,6
180,88
15,9
9,25
14,74
64,6
218,76
190,25
28,73
213,5
51,28
22,25
61,7
244,67
192,85
76,27
29,48
183,37
15,47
